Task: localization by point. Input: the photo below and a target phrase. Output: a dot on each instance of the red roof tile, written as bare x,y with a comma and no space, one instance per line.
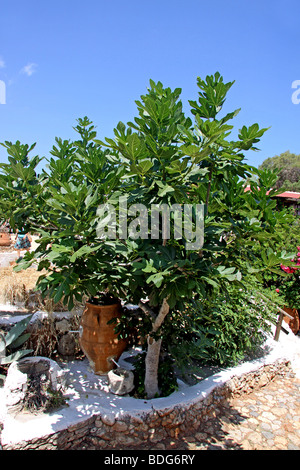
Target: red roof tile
288,194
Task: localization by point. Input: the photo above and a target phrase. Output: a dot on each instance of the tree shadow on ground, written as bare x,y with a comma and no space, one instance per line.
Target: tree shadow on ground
221,431
217,432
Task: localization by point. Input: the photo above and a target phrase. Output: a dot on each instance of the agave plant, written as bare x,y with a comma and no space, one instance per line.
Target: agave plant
12,342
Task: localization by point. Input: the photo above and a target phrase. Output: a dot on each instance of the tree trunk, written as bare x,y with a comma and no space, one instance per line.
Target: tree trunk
151,365
153,352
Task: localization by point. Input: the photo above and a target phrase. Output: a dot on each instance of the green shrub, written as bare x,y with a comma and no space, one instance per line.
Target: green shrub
223,331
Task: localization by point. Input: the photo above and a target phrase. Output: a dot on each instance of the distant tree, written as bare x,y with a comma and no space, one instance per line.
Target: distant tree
288,166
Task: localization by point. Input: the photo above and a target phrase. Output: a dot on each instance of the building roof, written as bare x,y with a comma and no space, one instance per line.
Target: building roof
290,195
285,194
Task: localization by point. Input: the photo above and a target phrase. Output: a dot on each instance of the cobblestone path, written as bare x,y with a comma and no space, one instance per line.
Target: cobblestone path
266,419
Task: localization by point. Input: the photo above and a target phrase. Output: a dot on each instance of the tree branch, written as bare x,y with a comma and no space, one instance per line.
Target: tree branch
147,310
163,312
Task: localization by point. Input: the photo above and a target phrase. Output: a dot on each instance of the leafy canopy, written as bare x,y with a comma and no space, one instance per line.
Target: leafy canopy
162,157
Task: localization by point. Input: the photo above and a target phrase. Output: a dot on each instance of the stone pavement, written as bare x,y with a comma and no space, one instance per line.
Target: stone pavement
266,419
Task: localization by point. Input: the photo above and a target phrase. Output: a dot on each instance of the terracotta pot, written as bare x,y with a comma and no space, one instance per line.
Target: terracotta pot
294,323
97,339
4,239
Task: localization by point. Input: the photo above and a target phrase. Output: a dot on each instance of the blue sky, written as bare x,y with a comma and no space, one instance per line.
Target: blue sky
62,60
